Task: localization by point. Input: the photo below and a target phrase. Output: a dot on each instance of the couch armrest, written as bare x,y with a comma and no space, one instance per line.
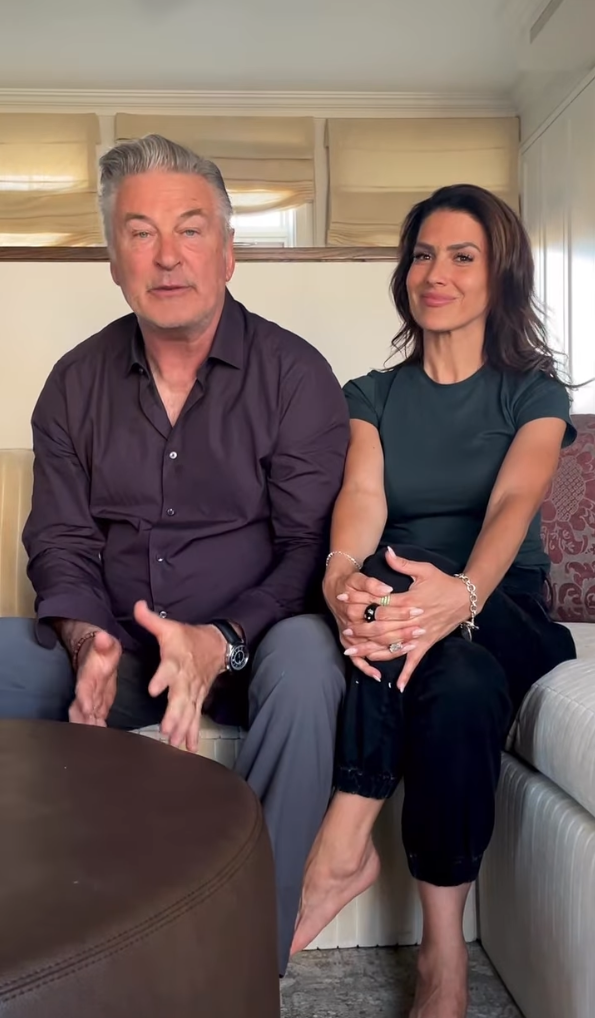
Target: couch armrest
16,481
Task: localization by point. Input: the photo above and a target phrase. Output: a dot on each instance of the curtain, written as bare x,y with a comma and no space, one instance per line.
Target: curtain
379,168
48,179
266,162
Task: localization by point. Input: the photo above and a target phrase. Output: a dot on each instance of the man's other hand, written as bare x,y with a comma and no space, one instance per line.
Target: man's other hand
191,659
96,679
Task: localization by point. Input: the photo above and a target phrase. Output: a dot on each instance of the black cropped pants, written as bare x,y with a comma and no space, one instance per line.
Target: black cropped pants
445,733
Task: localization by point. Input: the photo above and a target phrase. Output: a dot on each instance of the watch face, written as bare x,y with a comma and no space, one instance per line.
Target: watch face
238,657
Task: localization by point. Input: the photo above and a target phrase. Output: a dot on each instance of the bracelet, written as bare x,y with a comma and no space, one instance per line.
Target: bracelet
469,625
80,643
357,564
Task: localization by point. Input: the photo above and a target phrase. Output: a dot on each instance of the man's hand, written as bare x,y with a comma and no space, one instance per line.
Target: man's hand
191,659
96,678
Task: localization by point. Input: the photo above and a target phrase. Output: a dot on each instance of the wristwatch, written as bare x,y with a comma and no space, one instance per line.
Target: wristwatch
237,654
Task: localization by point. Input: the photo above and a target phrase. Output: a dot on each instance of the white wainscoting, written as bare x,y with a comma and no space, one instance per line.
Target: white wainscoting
558,194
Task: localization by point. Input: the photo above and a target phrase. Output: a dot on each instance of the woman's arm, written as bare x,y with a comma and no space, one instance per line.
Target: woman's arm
519,490
359,516
358,523
517,495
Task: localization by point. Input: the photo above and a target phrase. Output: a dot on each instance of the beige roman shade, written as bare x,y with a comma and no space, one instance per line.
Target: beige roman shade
379,168
266,162
48,179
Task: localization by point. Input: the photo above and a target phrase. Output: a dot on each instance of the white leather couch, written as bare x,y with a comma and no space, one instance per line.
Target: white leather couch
536,898
537,883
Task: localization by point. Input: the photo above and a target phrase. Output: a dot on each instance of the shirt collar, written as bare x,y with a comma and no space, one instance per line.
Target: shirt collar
227,345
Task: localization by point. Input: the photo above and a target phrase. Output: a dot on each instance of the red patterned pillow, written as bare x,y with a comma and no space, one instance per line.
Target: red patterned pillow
568,530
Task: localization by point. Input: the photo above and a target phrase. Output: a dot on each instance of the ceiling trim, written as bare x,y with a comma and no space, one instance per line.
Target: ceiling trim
521,14
320,104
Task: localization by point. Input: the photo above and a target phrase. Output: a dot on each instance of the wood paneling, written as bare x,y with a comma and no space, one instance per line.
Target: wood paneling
243,254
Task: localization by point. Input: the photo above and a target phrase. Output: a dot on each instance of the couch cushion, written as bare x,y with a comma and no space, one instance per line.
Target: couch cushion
568,530
217,742
555,732
16,480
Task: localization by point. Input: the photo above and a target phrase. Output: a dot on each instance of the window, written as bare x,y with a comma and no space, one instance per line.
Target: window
265,229
48,180
379,168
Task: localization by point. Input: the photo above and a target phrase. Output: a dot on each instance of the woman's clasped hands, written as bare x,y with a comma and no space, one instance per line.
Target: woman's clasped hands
403,624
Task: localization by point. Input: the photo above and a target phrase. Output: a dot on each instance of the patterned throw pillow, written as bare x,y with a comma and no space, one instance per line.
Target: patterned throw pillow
568,527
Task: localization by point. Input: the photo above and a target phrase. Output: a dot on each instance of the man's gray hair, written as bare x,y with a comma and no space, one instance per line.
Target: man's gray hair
154,152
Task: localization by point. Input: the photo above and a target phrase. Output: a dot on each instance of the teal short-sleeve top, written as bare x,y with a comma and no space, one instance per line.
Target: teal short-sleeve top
444,445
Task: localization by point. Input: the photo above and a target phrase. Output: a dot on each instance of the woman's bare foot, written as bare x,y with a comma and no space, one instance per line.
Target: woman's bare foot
330,884
441,990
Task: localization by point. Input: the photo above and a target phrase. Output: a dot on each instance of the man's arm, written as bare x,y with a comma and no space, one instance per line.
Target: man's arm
63,542
74,634
305,476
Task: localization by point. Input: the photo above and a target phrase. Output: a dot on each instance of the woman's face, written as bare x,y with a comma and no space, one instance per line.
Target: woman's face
448,282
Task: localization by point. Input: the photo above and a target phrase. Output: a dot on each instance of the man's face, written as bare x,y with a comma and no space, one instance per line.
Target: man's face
170,253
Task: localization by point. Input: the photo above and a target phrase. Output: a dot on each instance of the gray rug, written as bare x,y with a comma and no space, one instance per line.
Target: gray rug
378,983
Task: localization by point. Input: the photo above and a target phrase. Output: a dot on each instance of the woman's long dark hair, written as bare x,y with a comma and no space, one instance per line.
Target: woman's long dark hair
516,335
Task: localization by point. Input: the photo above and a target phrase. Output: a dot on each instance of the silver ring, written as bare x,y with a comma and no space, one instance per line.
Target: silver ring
394,648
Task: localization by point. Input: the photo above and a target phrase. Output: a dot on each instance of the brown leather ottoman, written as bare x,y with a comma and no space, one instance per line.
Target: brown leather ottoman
135,880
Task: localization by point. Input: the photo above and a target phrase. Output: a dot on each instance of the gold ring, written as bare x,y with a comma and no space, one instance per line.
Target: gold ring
385,600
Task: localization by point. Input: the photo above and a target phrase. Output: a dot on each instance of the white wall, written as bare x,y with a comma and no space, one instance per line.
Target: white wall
558,192
555,62
46,308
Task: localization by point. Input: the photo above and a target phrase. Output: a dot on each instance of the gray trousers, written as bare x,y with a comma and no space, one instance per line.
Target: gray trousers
287,756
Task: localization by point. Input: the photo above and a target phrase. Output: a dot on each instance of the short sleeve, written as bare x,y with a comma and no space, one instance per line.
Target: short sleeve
544,397
359,394
367,396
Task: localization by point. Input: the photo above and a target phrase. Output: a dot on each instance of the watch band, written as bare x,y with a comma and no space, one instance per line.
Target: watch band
227,630
237,654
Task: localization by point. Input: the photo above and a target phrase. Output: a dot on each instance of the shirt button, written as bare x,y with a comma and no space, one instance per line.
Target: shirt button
171,512
160,558
162,615
173,455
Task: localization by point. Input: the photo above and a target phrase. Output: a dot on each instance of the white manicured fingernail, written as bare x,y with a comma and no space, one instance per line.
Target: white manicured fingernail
342,597
351,652
418,632
407,647
414,613
348,632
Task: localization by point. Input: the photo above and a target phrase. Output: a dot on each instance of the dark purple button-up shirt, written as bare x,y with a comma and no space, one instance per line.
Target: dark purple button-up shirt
225,514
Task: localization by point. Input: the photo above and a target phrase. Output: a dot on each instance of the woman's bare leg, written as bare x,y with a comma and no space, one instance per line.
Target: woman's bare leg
442,965
343,863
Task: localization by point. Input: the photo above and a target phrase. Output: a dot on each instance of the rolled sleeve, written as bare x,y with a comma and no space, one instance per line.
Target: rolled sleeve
77,607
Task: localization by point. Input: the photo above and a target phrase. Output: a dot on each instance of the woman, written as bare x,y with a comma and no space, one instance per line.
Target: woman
445,624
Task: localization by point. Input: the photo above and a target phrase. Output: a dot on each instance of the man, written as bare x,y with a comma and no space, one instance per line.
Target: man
186,462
